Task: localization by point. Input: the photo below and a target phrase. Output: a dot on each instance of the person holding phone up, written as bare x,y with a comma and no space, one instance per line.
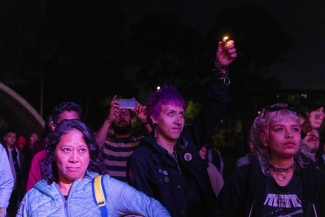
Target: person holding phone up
117,147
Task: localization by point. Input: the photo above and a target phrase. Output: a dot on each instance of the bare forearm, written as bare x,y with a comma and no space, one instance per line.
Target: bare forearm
102,133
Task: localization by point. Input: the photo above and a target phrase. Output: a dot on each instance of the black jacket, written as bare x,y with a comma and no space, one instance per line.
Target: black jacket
177,185
245,189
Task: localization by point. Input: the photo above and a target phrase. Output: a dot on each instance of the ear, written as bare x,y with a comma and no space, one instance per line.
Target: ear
263,139
153,119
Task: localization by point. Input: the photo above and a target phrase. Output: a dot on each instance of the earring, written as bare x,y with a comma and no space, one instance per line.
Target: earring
265,150
155,124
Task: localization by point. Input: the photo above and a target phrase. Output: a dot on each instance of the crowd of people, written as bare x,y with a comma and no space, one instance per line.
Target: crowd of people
170,171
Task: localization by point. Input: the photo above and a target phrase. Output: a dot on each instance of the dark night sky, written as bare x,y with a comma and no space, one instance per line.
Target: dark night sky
303,20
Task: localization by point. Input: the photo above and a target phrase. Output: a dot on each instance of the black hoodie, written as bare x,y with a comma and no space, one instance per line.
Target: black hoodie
181,183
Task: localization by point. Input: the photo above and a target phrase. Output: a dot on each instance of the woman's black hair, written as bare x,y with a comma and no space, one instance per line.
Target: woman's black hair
48,166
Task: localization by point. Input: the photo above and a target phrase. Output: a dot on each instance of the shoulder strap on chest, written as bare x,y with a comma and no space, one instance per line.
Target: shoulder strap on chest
99,195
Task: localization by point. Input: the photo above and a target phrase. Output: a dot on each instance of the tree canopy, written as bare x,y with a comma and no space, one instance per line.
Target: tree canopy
82,52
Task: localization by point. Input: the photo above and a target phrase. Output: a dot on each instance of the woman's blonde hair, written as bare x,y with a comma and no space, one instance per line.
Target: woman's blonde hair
274,113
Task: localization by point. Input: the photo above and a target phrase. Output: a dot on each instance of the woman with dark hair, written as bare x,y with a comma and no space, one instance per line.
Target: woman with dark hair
69,169
280,180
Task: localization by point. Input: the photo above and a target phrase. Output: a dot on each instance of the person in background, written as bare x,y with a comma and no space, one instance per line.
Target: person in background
215,176
63,111
248,146
27,151
314,120
118,146
39,145
20,143
6,182
281,180
28,148
311,138
16,160
214,157
69,169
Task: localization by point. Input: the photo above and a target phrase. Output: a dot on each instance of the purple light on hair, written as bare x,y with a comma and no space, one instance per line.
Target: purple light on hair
166,96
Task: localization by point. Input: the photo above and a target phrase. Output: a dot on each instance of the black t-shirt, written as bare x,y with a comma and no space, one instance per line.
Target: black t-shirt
283,201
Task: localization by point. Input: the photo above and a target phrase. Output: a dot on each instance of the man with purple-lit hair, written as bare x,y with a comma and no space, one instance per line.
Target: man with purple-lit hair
167,164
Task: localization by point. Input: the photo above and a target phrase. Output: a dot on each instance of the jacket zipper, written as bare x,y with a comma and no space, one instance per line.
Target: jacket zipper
65,201
174,156
66,207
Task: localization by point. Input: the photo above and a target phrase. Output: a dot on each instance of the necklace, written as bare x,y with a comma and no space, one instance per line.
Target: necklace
173,153
280,173
170,153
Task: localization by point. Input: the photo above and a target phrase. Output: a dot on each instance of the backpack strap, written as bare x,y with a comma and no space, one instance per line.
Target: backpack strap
99,195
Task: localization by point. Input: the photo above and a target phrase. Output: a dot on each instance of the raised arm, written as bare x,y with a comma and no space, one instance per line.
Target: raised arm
140,112
217,93
101,134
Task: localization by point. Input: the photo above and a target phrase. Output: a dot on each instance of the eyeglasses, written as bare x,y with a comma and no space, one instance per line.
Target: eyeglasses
277,107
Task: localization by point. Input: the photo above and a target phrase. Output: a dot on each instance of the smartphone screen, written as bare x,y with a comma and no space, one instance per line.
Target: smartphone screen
126,103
